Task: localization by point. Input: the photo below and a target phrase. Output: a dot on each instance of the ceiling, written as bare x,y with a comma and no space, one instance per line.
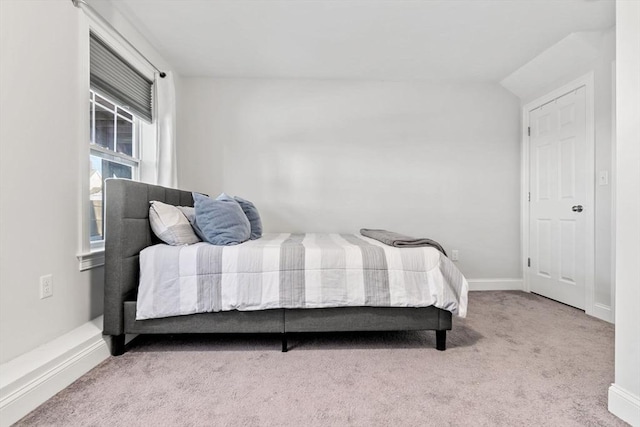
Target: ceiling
469,40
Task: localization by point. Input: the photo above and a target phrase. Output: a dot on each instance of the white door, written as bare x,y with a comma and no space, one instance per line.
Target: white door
558,190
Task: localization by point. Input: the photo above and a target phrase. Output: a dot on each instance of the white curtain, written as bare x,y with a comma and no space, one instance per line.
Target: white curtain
166,126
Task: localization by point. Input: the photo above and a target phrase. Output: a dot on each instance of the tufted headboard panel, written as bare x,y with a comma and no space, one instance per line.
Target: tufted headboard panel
127,232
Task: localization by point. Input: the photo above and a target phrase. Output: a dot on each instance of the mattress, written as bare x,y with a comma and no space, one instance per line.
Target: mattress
295,271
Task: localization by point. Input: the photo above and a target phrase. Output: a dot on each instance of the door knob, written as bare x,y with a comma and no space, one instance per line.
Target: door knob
577,208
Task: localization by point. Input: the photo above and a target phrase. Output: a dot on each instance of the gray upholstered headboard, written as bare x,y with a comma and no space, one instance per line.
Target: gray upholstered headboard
127,232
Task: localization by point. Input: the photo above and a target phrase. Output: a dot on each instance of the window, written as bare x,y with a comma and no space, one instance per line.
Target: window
114,153
122,135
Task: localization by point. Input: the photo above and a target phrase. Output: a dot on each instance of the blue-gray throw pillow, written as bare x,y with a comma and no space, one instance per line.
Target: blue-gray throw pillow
221,221
253,216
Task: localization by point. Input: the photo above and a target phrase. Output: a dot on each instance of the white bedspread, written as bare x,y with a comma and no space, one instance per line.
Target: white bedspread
295,271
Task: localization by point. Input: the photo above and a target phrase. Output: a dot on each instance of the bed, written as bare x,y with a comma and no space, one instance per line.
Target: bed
159,299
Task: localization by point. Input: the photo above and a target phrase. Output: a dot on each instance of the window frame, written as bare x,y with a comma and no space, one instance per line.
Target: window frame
92,255
134,120
97,150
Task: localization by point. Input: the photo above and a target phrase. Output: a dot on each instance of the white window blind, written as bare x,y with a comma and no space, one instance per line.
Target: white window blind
117,79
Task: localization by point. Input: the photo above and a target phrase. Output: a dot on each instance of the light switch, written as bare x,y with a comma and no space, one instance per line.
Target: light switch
603,178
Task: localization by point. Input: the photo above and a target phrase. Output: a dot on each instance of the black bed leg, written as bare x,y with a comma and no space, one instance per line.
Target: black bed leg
441,340
284,343
117,345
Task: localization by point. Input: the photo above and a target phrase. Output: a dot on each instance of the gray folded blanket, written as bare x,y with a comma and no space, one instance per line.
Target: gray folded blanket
400,240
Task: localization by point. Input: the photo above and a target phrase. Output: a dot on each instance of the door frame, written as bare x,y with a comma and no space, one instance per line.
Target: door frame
587,81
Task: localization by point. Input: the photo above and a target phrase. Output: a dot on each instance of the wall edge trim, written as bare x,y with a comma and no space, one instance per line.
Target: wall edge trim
624,405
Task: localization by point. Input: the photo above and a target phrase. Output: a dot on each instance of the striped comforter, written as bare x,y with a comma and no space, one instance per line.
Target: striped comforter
295,271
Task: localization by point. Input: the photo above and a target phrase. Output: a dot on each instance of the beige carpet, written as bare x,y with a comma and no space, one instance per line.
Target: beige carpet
518,359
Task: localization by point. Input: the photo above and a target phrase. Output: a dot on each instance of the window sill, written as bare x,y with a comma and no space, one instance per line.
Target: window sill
91,260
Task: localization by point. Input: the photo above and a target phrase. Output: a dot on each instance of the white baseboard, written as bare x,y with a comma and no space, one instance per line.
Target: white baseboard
624,405
29,380
496,284
602,312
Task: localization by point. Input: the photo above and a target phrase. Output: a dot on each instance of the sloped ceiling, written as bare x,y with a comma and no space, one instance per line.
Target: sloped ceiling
470,40
569,57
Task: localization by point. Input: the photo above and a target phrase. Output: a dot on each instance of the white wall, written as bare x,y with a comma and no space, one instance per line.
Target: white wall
425,159
39,176
199,139
44,92
624,395
605,48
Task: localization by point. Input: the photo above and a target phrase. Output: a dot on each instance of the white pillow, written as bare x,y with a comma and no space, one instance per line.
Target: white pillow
170,225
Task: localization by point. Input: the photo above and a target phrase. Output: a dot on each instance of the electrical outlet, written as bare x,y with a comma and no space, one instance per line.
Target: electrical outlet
603,178
455,256
46,286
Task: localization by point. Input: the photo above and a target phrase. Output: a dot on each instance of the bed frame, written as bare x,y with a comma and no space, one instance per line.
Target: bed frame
128,232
